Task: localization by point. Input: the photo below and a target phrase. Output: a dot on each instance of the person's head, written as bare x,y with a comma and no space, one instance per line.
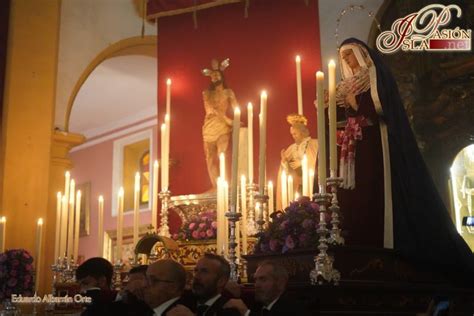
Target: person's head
137,278
350,59
166,279
210,276
353,57
95,273
299,132
270,281
216,73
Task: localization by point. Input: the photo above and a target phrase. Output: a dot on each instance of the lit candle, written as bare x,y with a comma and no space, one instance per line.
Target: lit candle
154,199
226,226
100,227
311,182
291,189
271,208
284,190
3,229
235,158
321,132
70,232
39,242
297,195
332,119
168,96
305,178
250,141
120,224
220,215
164,160
67,180
57,240
243,207
76,224
64,222
263,142
298,85
222,166
167,156
136,209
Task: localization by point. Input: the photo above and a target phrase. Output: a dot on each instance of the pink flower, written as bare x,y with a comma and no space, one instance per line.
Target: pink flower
192,225
214,224
202,234
28,267
175,236
195,234
202,225
210,233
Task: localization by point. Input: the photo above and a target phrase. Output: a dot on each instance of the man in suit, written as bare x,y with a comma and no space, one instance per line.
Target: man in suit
271,280
211,275
95,277
166,279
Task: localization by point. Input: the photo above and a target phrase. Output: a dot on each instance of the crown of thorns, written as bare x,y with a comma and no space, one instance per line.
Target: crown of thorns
215,65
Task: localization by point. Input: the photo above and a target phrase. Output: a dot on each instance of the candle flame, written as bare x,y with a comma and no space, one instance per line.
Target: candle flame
311,172
297,196
156,164
78,194
137,181
163,127
67,174
237,111
59,195
222,156
298,58
167,117
332,63
320,74
101,199
242,178
283,174
168,81
40,221
3,219
270,184
249,106
263,94
121,192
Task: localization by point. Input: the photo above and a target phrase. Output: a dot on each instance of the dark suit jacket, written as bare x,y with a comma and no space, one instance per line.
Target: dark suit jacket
283,306
217,310
101,299
185,300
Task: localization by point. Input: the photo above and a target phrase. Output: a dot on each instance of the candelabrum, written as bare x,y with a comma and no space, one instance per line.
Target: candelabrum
117,280
323,270
233,218
335,236
165,200
251,224
263,200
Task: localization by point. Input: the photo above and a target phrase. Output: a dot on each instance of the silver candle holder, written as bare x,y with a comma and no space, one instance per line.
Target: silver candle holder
263,200
335,236
233,218
323,270
117,276
251,223
165,200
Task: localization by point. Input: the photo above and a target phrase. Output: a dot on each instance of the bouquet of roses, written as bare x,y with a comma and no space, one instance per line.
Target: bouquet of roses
202,226
294,228
16,273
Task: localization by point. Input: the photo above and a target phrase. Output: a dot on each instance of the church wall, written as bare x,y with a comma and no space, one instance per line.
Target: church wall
94,164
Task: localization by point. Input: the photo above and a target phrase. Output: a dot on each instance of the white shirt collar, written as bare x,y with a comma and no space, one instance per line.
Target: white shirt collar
161,308
269,306
212,300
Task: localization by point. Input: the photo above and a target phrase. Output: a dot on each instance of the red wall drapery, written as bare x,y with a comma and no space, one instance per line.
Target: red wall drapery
262,49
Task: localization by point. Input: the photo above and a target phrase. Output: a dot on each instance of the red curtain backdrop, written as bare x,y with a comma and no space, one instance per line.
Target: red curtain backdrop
262,50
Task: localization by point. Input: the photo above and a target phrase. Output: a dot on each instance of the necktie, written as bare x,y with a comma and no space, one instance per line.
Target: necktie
201,310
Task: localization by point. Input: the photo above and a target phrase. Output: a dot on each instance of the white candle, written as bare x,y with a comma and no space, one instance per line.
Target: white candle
65,212
136,208
284,190
220,215
299,90
64,222
154,199
297,196
222,166
332,119
243,207
164,160
291,189
168,133
263,142
305,176
57,240
271,207
120,224
67,180
3,229
100,227
226,226
250,141
168,96
311,182
321,132
39,242
76,224
70,212
235,158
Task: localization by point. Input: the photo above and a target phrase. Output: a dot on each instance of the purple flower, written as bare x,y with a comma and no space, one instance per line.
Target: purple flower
210,233
3,257
307,223
15,262
289,242
284,224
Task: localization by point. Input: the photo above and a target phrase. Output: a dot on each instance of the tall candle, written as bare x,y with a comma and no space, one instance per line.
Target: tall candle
220,215
226,226
305,176
291,189
243,207
65,211
271,207
235,158
297,196
263,142
57,240
67,180
100,227
321,132
70,232
284,190
76,224
250,141
222,166
120,224
3,229
299,90
164,160
332,119
311,182
154,199
64,222
168,96
136,208
38,251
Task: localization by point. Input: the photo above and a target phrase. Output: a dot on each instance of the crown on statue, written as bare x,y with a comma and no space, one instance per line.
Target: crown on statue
296,119
215,66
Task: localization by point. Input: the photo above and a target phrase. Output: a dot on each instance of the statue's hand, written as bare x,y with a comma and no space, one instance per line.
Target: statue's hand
351,101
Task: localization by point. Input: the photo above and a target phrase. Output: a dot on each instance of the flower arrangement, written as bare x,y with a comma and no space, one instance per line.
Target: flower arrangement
202,226
16,273
294,228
